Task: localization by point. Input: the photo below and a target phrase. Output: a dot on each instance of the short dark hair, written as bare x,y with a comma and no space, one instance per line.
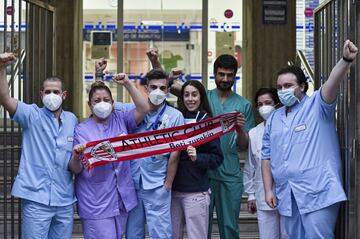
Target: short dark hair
53,79
227,62
270,91
156,74
98,85
299,74
204,103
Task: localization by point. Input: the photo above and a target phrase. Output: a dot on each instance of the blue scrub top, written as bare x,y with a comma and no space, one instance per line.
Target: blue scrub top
303,149
43,175
150,172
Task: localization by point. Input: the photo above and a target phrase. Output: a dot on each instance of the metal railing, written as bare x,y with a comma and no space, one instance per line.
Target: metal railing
302,62
336,21
28,31
305,63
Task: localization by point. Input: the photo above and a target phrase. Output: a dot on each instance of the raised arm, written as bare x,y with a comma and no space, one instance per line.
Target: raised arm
175,87
153,55
330,89
8,102
100,66
142,106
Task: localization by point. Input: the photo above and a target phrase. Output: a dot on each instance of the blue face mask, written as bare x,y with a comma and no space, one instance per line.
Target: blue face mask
287,97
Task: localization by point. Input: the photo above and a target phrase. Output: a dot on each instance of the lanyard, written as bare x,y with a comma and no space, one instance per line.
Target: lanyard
194,120
156,122
201,117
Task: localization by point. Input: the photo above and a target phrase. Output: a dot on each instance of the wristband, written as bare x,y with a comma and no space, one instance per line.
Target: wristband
347,59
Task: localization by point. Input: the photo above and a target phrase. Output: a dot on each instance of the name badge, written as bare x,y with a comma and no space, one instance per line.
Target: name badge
70,139
300,128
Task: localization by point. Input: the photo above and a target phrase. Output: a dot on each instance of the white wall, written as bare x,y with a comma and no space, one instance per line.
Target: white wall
145,4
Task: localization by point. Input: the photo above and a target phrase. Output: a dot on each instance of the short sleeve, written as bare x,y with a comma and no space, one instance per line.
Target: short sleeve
25,114
326,110
179,120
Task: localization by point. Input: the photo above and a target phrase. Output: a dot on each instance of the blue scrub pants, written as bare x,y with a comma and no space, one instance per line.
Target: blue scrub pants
319,224
153,209
42,221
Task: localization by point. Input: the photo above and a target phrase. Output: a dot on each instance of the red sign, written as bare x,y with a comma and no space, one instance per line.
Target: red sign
228,13
10,10
309,12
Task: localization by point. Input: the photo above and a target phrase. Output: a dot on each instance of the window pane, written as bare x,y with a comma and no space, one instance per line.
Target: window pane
225,36
99,40
173,27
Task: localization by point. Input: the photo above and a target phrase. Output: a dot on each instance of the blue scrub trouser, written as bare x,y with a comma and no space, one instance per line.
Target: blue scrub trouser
319,224
153,209
40,221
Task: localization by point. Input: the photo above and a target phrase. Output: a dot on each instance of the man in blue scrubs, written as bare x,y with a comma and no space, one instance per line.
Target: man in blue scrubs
153,176
44,182
226,182
301,153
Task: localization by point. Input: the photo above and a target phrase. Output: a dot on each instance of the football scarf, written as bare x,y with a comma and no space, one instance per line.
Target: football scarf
156,142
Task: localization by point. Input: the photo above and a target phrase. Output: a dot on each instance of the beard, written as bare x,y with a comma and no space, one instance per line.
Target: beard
224,86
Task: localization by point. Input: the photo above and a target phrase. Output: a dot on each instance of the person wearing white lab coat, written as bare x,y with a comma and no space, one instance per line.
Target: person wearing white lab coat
269,220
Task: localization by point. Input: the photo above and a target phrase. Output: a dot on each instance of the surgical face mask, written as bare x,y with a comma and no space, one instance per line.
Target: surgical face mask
265,111
52,101
157,97
102,110
287,97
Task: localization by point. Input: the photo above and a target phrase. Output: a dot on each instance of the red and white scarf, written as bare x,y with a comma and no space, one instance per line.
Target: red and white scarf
156,142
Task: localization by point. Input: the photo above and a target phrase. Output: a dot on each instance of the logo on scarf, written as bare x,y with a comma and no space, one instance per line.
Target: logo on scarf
104,151
225,124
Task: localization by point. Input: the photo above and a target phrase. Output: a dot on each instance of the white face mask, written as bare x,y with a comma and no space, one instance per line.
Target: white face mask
265,111
52,101
157,97
102,110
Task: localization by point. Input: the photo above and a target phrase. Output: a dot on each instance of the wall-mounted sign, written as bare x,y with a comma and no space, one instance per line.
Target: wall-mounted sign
274,11
102,38
144,35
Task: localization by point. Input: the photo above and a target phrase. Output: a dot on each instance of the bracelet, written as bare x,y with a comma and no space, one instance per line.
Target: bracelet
347,59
